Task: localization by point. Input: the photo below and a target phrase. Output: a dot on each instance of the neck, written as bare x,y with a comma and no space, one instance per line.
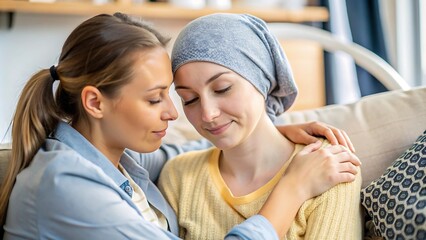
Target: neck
93,133
255,158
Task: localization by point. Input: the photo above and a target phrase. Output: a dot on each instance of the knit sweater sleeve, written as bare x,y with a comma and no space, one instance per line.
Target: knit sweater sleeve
336,214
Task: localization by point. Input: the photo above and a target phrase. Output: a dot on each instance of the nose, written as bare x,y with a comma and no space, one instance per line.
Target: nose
209,110
170,113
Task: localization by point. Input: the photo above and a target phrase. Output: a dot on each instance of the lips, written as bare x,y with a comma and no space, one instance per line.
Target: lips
160,133
218,129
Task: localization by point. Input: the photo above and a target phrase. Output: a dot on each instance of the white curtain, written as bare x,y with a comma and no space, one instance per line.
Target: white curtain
404,25
345,84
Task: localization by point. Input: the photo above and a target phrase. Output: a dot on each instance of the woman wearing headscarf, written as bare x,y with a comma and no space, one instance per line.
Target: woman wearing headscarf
234,79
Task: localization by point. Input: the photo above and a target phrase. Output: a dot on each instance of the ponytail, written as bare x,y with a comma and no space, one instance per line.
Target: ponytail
99,52
35,118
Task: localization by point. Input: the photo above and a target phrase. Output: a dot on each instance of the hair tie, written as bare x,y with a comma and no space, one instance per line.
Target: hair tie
53,73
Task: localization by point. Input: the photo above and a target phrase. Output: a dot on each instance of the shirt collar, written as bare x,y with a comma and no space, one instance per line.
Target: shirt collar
71,137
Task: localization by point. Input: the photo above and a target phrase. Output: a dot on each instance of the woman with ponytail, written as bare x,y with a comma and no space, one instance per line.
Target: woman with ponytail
80,167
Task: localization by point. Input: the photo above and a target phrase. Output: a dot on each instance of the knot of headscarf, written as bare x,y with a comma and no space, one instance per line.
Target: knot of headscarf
243,44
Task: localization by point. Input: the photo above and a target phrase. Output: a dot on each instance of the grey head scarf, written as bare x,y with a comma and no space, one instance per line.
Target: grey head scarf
243,44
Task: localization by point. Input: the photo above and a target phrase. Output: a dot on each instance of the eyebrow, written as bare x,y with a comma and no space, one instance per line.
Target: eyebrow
157,87
211,79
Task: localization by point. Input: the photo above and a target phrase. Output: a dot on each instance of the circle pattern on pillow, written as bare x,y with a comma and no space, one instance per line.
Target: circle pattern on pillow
396,200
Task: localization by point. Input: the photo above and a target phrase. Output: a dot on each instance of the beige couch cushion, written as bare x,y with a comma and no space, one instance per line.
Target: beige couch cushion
381,126
4,160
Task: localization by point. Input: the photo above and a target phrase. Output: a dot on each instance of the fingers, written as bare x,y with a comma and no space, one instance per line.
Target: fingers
339,136
342,138
306,133
298,133
306,139
335,149
334,135
348,141
320,129
342,154
352,158
347,167
321,169
343,178
330,136
311,147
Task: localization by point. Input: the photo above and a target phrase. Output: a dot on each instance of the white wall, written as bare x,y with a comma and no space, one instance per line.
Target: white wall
33,43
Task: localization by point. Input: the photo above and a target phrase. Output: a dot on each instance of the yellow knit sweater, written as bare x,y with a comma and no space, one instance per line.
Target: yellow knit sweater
206,208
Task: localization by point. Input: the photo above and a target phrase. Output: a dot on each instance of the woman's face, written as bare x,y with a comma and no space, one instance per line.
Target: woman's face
138,117
222,106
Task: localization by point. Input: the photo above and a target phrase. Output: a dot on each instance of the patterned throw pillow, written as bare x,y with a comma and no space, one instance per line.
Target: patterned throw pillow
396,201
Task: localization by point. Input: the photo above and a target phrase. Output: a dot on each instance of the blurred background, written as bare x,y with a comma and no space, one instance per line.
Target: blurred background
32,34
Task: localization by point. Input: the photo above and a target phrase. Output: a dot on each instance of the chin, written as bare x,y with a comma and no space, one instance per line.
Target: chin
147,147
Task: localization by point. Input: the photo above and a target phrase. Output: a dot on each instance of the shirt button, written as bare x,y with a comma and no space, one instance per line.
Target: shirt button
128,189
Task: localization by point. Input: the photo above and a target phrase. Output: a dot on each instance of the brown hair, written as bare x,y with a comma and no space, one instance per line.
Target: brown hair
99,52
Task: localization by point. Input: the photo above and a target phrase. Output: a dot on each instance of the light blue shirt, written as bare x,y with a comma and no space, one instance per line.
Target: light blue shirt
72,191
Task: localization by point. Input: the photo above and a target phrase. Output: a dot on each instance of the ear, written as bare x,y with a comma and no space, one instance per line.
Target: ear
91,99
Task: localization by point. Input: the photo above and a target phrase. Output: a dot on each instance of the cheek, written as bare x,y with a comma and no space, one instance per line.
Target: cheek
191,114
133,115
249,103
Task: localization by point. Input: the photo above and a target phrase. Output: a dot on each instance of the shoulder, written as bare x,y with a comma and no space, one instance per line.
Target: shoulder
342,191
185,167
57,177
62,160
192,159
59,170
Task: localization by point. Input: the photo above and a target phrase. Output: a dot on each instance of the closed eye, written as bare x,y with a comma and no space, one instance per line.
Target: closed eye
223,90
185,103
152,102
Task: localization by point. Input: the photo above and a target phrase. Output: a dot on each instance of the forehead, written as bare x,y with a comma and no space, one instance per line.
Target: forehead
153,66
201,66
200,70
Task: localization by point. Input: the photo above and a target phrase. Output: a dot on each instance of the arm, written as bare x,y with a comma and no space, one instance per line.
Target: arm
78,201
305,133
311,173
255,227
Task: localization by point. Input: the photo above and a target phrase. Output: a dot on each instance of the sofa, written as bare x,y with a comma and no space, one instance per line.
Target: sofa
381,127
5,154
